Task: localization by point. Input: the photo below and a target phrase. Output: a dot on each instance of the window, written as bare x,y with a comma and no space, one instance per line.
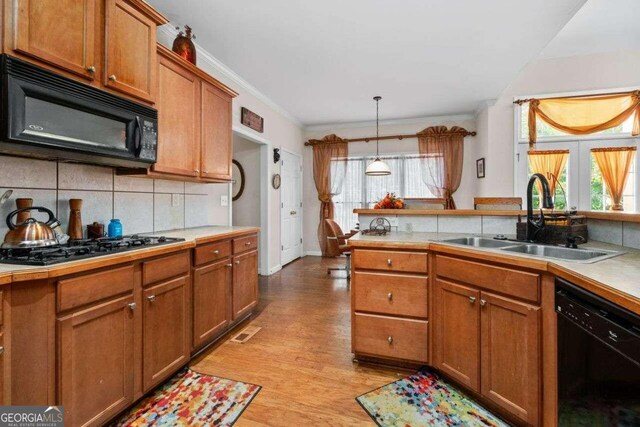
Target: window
581,179
362,191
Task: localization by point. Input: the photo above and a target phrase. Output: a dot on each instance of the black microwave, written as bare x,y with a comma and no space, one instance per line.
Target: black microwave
45,115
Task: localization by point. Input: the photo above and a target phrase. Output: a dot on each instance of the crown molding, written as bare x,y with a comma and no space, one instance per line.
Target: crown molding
389,122
216,67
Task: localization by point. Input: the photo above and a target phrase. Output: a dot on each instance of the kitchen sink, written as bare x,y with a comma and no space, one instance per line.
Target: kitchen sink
479,242
567,254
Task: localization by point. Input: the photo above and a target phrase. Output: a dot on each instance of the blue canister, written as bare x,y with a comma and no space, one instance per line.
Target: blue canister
115,228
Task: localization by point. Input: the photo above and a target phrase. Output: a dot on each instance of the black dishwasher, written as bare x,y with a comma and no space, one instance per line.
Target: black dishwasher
598,360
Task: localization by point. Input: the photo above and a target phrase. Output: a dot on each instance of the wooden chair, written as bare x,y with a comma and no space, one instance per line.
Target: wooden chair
426,203
497,203
337,245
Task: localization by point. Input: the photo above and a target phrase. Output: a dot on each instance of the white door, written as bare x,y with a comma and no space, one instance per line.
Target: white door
291,207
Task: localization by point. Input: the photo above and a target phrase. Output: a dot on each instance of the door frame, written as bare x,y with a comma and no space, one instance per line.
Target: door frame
265,182
300,191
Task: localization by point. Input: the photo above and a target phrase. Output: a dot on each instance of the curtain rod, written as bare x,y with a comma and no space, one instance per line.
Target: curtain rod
522,101
381,138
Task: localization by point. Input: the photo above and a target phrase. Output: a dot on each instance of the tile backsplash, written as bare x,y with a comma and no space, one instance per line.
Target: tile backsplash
142,204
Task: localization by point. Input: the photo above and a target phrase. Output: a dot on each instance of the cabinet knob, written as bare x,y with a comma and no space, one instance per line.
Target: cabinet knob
196,170
483,302
293,213
151,298
472,300
229,265
389,262
91,69
389,296
113,78
237,262
1,349
216,252
390,339
247,244
132,306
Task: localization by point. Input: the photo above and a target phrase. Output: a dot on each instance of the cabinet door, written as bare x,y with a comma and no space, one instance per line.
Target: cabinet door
216,133
457,332
95,348
511,356
165,330
62,39
130,46
211,296
178,120
245,283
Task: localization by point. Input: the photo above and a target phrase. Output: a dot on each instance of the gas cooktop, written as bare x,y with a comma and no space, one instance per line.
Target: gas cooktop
81,249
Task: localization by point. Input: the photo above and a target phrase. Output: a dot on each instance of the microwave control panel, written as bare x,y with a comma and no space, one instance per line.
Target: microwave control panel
149,149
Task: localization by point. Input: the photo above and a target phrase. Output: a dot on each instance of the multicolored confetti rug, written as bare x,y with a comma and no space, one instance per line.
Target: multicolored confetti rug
190,399
424,399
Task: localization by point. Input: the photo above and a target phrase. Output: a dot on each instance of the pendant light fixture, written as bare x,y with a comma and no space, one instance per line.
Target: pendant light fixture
377,167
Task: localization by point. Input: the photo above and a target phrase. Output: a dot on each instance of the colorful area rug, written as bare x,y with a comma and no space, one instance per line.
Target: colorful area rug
424,399
191,399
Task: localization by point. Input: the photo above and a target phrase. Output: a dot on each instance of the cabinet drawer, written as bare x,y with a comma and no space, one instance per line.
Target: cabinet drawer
212,252
94,287
165,268
517,283
409,262
391,337
395,294
246,243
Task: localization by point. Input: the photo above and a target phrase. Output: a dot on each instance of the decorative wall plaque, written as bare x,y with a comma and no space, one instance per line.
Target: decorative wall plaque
252,120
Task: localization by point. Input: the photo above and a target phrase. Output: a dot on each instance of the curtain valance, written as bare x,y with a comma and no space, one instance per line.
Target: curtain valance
583,115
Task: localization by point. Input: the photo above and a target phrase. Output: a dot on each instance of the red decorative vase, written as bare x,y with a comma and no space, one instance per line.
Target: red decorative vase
183,45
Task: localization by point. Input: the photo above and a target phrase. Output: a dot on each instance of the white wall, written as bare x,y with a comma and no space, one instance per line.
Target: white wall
571,74
246,210
463,197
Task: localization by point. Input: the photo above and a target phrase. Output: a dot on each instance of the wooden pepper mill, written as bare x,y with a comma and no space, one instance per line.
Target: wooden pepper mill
75,220
23,216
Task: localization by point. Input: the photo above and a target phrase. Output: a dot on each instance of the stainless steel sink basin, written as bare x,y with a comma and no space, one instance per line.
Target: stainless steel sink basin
479,242
567,254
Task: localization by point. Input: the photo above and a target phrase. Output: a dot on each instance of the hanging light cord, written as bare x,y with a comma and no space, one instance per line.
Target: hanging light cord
377,98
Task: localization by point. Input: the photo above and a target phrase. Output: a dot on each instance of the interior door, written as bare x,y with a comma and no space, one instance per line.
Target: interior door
291,207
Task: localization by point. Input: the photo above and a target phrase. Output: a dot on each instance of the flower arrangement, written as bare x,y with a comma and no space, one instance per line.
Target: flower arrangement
390,201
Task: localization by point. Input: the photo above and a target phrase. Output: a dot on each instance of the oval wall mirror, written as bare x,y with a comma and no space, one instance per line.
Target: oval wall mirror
237,180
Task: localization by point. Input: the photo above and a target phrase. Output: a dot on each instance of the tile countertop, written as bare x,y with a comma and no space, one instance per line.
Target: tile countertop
616,279
193,236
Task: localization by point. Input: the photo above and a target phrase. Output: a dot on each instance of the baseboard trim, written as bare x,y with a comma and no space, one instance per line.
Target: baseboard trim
312,253
275,269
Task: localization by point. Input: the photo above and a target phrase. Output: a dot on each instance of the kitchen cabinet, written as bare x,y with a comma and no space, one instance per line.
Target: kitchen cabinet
245,283
165,330
211,296
130,61
216,133
109,44
457,333
96,361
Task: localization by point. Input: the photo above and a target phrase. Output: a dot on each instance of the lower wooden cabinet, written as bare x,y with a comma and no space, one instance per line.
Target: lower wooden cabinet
391,337
211,297
96,361
165,330
245,283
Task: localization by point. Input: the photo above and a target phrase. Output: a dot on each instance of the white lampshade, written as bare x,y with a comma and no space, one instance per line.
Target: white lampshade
377,168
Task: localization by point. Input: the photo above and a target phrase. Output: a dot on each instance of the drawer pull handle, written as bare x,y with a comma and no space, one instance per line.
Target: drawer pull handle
216,252
237,262
247,244
389,262
390,339
151,298
483,302
229,265
390,296
1,349
113,77
91,69
472,300
132,306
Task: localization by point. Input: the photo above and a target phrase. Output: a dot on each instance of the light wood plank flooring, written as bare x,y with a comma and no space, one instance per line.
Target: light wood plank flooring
302,356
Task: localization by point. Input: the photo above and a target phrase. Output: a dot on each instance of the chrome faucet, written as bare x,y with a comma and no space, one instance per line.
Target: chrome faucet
534,227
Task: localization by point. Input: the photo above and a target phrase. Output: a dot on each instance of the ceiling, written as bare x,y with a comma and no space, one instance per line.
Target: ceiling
599,26
323,61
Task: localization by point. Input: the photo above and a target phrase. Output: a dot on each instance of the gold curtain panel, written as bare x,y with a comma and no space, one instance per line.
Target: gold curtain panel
614,164
550,163
584,115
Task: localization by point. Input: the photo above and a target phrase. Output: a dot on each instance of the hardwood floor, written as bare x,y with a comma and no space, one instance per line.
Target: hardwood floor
302,356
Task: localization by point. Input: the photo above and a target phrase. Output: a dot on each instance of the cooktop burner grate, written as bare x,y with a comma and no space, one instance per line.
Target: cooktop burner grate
80,249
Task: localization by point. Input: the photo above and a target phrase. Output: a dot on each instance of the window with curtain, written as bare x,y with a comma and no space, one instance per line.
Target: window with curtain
581,178
362,191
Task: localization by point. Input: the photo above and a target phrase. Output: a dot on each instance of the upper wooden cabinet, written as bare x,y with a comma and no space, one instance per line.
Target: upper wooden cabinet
61,33
110,44
216,133
130,49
